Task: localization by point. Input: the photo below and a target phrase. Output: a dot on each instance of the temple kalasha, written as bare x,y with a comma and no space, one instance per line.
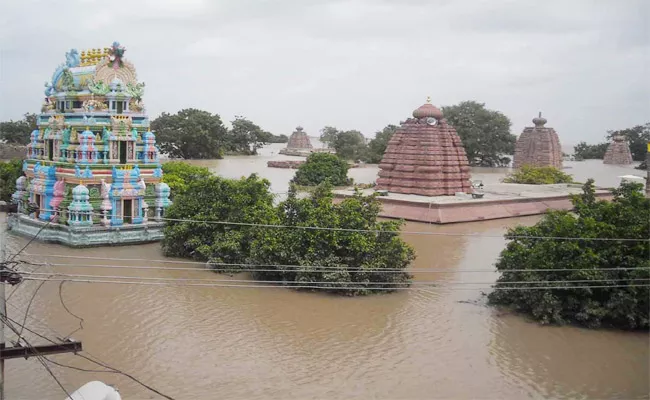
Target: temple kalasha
618,152
538,146
425,157
92,172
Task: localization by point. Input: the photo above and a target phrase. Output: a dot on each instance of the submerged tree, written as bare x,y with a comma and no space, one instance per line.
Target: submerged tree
355,254
190,134
320,167
576,270
377,146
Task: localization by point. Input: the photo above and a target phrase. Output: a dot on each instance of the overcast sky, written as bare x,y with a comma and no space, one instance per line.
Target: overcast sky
351,64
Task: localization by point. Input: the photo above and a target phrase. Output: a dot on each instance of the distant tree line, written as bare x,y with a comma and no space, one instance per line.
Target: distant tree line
637,138
18,132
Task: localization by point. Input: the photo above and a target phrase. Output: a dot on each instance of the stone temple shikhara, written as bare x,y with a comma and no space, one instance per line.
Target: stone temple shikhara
92,172
538,146
298,144
618,152
425,157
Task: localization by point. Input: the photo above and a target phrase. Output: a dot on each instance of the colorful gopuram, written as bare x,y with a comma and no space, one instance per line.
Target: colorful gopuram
538,146
92,174
425,157
618,152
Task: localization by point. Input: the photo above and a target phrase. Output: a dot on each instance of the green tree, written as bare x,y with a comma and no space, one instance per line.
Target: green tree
350,145
347,262
18,132
377,146
584,151
9,172
279,138
328,136
246,200
246,137
637,137
485,133
538,176
179,175
566,261
320,167
190,134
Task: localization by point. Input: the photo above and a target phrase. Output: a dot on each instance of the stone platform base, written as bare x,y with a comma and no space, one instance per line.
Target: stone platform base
87,236
500,201
304,152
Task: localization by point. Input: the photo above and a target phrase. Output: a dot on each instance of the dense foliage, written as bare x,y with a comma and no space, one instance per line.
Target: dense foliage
485,133
190,133
584,151
18,132
637,137
278,139
9,172
377,146
626,307
538,176
320,167
247,200
197,134
347,262
179,175
349,145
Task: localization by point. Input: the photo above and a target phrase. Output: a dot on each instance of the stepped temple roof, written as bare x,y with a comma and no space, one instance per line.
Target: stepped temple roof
618,152
538,146
299,140
425,157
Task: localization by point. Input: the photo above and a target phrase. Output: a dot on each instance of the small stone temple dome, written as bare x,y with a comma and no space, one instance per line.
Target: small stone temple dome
428,110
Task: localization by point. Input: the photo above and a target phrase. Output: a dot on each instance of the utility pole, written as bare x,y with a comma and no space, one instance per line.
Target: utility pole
10,276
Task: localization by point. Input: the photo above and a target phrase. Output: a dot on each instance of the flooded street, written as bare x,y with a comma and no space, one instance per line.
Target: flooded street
257,343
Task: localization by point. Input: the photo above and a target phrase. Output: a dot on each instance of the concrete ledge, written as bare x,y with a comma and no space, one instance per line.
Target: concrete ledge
87,236
451,209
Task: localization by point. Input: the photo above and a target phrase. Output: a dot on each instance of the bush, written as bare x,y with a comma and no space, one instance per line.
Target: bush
627,216
320,167
246,200
348,262
9,172
538,176
178,175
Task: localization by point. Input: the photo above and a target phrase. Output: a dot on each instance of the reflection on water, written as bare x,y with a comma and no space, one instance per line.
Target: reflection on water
256,343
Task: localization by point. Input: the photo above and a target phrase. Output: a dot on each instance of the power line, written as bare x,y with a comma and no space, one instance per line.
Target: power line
323,287
303,268
39,357
426,233
427,283
98,362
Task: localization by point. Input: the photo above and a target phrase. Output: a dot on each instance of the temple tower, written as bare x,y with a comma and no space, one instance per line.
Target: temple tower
299,140
425,157
538,146
618,152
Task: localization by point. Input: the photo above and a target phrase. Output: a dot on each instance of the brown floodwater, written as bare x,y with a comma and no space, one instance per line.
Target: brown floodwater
258,343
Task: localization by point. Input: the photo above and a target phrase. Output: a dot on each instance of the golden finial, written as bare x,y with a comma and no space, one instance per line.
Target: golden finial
429,99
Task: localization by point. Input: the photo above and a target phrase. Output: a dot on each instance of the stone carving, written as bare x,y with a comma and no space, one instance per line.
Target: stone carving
105,72
538,146
98,87
618,152
425,157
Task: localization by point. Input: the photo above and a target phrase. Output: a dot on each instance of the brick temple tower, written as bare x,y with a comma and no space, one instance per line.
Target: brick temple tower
299,140
538,146
425,157
618,152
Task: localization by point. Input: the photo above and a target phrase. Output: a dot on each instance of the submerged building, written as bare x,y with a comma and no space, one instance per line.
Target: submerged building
298,144
538,146
618,152
425,157
92,174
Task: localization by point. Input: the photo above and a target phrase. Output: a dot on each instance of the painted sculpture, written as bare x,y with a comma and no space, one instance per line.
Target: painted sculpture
93,160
